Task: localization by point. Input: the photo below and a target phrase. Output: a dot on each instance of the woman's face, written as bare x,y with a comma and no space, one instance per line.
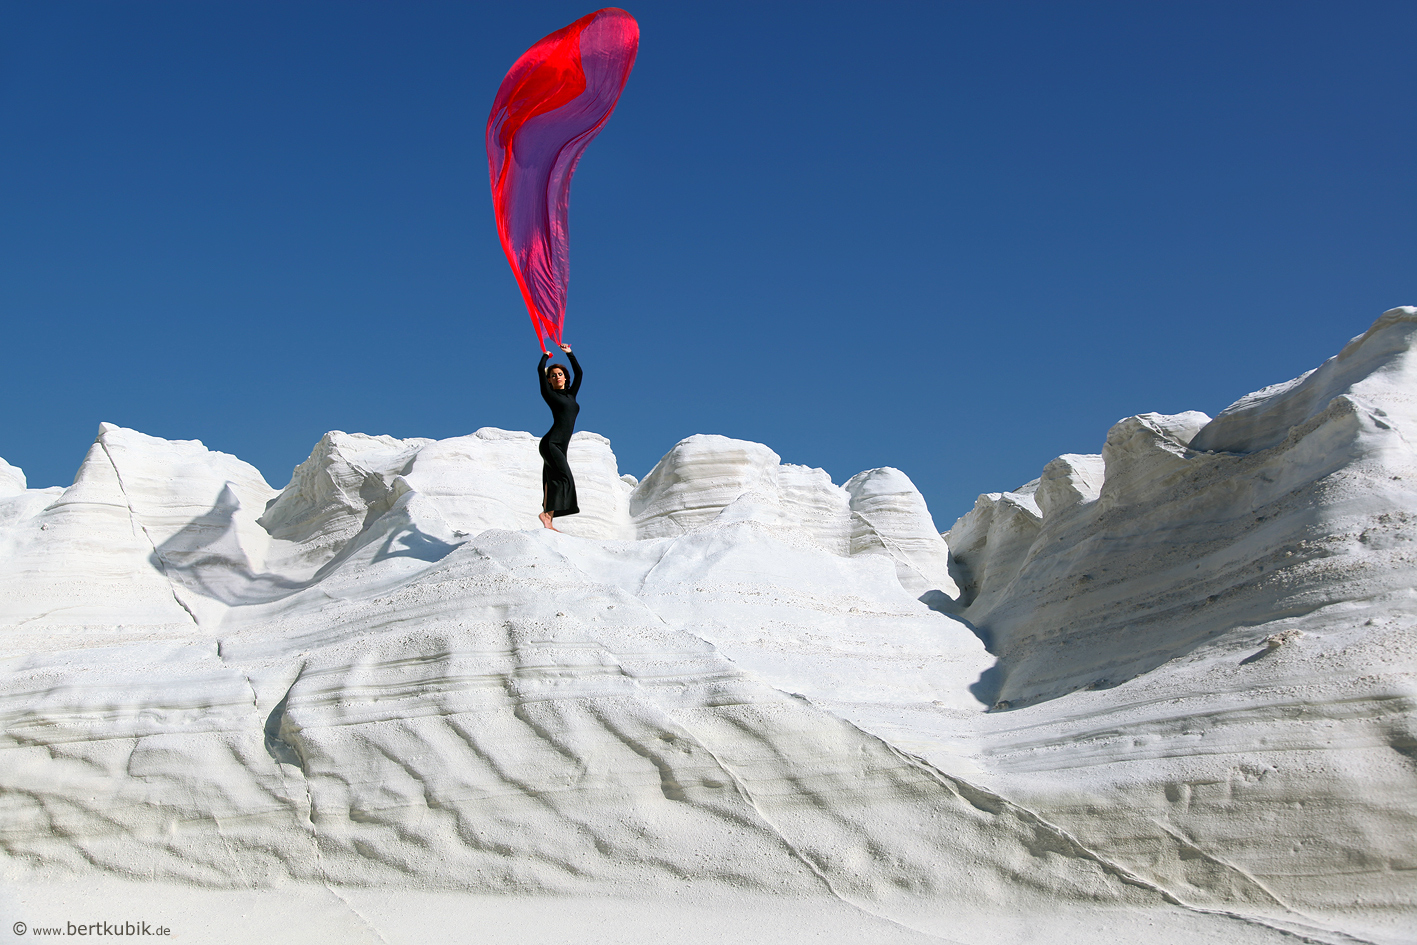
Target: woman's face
558,379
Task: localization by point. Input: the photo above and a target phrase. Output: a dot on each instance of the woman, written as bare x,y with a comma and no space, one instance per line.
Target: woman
558,486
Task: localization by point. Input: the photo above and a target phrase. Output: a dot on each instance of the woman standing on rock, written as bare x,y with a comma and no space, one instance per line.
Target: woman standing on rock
558,486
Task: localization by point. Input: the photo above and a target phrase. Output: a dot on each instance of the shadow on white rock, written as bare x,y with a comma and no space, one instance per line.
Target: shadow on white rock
183,534
1081,580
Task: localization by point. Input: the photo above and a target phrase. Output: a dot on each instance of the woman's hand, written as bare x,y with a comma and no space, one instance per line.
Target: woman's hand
565,347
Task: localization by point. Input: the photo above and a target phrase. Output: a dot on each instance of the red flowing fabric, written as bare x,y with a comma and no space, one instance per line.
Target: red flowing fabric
552,103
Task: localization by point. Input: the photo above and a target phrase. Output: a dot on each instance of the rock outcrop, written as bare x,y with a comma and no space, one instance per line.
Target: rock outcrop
1217,635
1194,719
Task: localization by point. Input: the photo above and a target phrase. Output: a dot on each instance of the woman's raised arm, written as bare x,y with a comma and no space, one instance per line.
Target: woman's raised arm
575,366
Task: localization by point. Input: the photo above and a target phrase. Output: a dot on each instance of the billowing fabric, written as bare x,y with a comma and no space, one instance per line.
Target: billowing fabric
552,103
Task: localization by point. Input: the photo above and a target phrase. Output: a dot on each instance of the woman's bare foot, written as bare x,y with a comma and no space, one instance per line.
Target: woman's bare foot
546,518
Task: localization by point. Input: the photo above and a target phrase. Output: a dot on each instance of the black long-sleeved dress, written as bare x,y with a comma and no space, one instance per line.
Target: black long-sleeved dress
558,486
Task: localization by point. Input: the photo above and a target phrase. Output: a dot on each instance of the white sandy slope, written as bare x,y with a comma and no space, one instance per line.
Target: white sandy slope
729,702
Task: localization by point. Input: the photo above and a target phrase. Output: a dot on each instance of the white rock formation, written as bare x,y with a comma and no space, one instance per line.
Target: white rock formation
12,479
712,478
888,515
1216,641
719,689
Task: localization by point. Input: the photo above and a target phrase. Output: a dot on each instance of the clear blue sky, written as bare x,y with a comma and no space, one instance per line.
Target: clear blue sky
956,238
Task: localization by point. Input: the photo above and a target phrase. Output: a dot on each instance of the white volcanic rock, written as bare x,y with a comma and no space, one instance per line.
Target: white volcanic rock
716,479
492,479
719,689
888,514
1377,365
489,479
704,475
990,543
1179,543
1068,481
1168,729
18,503
99,553
347,482
12,480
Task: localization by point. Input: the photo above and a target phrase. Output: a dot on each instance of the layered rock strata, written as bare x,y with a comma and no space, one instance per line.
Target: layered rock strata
1195,716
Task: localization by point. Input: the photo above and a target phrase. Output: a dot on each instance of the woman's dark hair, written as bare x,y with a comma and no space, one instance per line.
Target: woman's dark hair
564,370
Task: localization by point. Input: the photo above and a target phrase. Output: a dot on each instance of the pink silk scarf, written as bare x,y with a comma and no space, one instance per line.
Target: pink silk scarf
552,103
